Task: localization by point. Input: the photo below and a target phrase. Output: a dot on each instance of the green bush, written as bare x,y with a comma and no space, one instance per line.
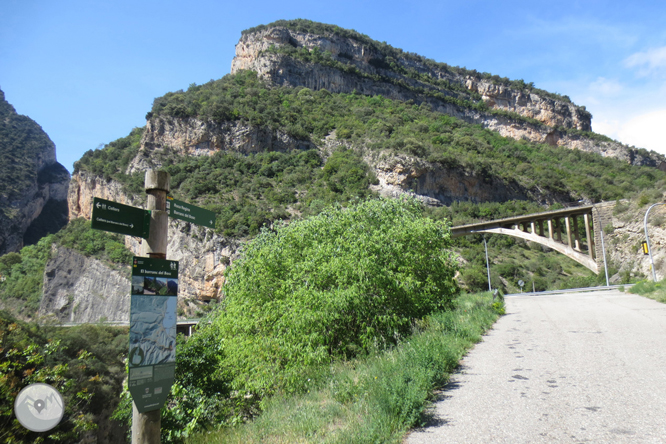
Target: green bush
23,273
84,363
375,398
331,286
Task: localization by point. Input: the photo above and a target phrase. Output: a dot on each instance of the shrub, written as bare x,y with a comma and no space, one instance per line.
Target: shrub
328,287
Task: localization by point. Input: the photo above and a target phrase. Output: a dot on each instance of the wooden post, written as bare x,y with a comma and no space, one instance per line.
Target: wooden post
146,426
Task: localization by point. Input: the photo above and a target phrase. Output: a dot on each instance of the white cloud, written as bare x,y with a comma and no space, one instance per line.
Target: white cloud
645,131
648,62
605,87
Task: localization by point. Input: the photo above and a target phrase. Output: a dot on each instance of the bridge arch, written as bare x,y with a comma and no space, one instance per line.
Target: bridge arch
557,230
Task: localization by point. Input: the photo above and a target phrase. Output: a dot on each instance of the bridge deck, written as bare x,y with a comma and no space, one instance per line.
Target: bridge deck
507,222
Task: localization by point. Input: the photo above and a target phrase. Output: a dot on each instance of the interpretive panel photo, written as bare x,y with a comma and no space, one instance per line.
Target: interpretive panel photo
152,330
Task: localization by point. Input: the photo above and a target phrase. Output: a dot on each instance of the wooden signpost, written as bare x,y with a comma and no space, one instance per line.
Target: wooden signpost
152,354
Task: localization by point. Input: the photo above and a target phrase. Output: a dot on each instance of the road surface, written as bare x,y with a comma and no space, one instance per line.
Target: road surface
569,368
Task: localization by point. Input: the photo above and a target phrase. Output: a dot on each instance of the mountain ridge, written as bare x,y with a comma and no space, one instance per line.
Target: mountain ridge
319,56
33,185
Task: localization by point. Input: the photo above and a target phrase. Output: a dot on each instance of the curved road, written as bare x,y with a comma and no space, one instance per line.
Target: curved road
568,368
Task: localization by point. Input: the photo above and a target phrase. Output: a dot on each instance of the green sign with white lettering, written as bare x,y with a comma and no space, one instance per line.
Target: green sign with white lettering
189,213
152,351
118,218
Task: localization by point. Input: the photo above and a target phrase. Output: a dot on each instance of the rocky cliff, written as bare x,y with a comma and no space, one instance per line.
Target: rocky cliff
33,185
81,289
625,232
203,254
320,56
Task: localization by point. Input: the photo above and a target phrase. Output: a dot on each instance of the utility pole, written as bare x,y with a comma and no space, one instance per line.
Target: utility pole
603,247
490,288
146,426
647,240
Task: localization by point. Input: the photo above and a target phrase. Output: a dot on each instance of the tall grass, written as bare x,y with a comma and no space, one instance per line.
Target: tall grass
376,398
649,289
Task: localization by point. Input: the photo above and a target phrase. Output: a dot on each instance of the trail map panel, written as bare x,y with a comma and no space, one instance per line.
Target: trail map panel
152,355
189,213
118,218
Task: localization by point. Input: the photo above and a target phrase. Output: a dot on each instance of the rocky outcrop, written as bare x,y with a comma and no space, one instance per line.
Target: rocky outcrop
84,186
252,53
436,185
81,289
368,70
203,254
624,234
194,137
33,185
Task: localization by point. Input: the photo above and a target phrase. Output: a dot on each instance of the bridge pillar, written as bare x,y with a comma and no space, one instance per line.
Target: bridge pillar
590,240
576,234
541,228
532,226
558,229
567,223
601,217
550,228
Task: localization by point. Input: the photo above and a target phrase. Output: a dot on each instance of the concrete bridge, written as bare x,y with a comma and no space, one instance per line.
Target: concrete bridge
574,232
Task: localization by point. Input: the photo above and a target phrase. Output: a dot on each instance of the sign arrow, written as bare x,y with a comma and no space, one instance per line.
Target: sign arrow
189,213
119,218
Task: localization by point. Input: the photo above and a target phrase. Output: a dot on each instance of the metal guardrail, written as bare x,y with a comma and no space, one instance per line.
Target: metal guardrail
569,290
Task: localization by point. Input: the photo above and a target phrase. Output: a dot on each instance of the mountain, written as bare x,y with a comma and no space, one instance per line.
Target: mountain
313,115
33,185
319,56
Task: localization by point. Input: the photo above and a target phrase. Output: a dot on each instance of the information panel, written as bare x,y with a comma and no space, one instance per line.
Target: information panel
189,213
108,215
152,351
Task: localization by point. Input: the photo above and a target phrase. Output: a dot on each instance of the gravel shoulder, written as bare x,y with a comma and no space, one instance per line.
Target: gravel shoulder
580,368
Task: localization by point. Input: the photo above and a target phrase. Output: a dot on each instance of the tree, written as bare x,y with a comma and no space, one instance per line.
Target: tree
330,287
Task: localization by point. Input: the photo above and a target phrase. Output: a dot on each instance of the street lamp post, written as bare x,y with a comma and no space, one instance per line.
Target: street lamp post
603,248
647,239
490,288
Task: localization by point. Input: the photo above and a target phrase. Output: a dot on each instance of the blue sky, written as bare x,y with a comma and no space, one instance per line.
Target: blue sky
88,72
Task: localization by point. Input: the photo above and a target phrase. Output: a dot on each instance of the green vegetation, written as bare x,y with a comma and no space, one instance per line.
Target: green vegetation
113,160
649,289
376,397
320,290
255,190
23,273
373,124
84,363
389,56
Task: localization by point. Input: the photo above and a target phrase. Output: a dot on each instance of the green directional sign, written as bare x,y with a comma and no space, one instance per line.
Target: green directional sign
152,351
189,213
118,218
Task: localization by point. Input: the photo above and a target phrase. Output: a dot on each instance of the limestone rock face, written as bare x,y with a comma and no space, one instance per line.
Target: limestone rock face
80,289
436,185
194,137
253,52
33,185
203,254
84,186
623,241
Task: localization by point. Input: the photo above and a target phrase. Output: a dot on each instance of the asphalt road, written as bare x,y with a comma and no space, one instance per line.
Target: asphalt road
572,368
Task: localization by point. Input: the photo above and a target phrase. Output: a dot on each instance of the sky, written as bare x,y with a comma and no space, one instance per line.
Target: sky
88,71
